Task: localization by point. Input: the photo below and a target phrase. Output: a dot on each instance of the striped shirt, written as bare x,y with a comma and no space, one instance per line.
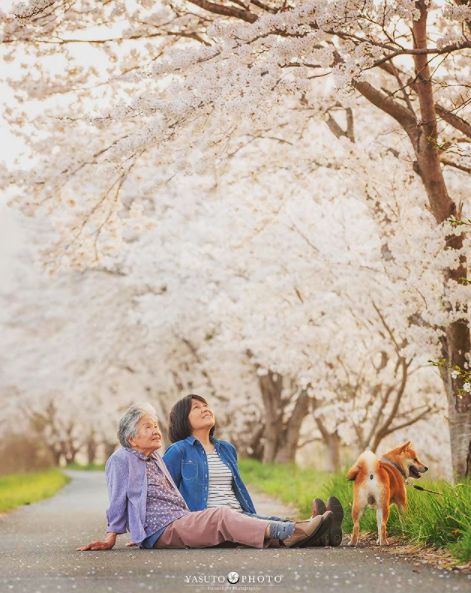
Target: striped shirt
220,490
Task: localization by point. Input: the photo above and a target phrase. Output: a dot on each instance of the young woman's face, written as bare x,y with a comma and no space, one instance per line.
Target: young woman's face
201,416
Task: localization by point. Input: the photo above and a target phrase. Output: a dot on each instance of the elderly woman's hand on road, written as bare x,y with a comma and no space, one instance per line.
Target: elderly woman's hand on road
106,544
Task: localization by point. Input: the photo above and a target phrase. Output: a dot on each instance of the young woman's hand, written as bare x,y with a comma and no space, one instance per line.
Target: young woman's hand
105,544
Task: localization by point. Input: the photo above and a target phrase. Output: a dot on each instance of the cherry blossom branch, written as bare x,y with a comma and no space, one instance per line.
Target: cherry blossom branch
238,13
423,52
459,166
446,114
410,422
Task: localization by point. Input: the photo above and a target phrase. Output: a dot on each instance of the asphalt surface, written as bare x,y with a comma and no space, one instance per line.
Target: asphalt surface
38,554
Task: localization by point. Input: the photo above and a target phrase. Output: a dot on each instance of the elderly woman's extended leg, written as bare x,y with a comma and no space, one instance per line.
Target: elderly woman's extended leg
214,526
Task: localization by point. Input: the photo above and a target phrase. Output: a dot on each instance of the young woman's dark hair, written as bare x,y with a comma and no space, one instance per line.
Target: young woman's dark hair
179,424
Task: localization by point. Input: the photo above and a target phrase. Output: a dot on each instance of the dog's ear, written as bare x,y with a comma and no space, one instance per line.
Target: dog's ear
405,446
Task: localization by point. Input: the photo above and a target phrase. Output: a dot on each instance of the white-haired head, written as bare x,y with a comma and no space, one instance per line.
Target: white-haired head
128,423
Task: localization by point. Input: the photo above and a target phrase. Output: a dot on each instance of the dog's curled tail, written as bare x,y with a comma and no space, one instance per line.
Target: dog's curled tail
365,463
353,472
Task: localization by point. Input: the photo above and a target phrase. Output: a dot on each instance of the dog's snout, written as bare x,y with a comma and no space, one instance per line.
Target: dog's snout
425,468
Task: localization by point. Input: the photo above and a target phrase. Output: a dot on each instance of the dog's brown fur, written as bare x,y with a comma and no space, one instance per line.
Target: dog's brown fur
380,483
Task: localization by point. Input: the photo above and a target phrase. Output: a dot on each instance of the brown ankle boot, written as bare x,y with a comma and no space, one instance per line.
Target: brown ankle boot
303,531
322,535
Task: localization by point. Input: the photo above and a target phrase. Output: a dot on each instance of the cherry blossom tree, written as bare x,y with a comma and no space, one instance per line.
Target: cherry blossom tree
184,89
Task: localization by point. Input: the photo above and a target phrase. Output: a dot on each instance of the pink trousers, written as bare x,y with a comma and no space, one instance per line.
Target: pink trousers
214,526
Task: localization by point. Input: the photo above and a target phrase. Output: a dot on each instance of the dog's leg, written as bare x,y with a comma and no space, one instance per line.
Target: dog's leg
382,516
356,516
379,523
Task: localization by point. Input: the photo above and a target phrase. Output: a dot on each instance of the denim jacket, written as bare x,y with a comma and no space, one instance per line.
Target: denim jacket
188,465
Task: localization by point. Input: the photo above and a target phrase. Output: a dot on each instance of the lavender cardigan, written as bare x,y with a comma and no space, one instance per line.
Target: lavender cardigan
126,479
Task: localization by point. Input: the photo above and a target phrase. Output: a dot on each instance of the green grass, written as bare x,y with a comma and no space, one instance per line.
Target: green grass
89,467
20,489
440,521
287,482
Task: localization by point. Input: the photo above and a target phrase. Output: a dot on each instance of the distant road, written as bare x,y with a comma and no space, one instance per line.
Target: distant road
37,555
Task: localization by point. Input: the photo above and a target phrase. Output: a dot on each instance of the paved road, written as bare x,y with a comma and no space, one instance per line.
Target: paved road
37,554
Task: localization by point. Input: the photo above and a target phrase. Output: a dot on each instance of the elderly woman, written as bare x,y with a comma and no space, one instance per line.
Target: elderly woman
206,472
145,501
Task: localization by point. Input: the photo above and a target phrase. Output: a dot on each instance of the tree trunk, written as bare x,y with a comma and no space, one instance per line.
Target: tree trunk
249,442
290,436
270,443
109,449
459,420
271,386
331,440
460,440
91,448
256,444
56,455
286,453
332,443
257,451
69,452
457,344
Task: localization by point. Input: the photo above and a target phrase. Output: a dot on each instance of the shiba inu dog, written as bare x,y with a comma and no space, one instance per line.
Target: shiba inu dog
380,482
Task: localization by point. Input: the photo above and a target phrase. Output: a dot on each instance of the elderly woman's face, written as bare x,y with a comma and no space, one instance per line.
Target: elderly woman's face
148,437
201,416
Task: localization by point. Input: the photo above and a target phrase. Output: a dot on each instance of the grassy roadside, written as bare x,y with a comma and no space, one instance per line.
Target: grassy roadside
441,521
20,489
287,482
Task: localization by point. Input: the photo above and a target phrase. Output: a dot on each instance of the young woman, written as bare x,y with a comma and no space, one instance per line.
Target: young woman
145,501
205,469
